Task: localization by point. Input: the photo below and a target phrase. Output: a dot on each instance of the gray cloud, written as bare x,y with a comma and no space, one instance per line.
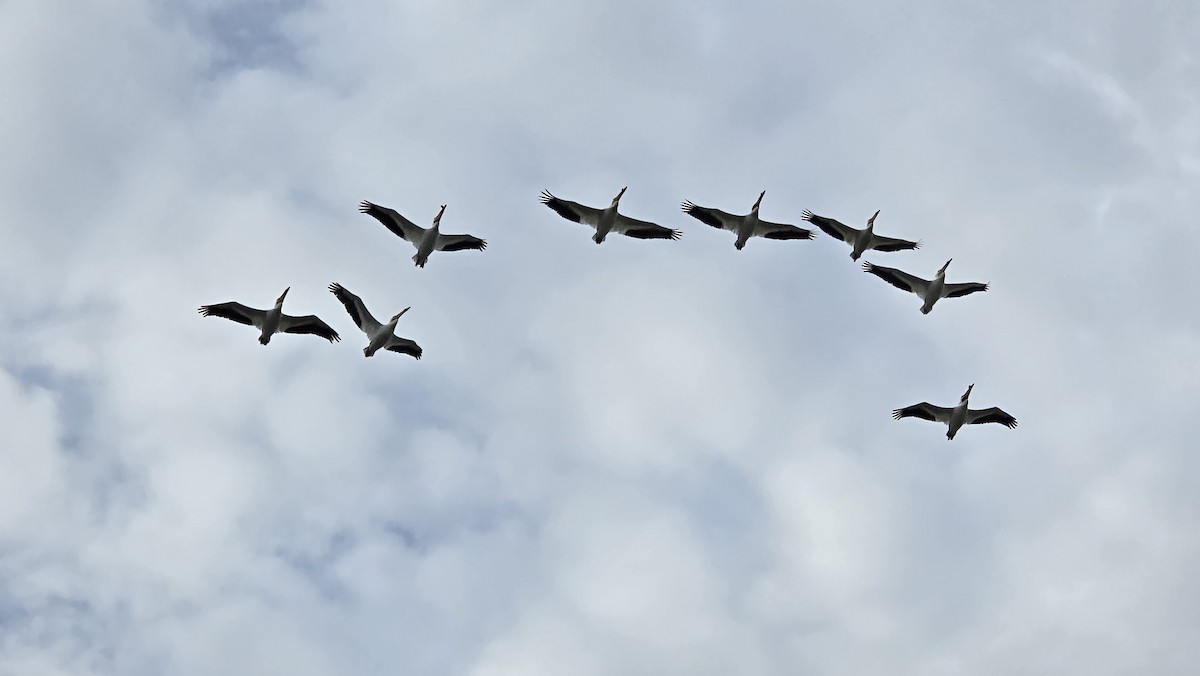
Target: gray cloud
639,457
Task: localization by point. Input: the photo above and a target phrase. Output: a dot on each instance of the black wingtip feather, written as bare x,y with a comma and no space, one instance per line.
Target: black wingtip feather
560,207
343,297
415,351
798,233
697,212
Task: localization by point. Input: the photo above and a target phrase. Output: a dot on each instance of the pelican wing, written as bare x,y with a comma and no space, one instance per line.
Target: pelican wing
898,278
881,243
392,220
459,242
715,217
831,227
962,289
308,324
356,309
783,231
403,346
990,415
925,411
235,312
572,211
632,227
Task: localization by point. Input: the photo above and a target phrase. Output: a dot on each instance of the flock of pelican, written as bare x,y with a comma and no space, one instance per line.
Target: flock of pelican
382,336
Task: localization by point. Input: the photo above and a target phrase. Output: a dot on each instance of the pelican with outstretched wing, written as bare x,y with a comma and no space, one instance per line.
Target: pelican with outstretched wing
272,321
958,416
747,225
379,335
426,240
607,220
930,291
860,241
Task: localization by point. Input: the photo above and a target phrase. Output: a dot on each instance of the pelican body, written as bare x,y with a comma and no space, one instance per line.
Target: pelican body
607,220
860,241
429,241
956,417
930,291
272,321
934,290
747,225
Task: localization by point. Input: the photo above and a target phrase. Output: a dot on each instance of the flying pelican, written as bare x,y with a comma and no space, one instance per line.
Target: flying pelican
929,291
746,226
271,321
859,240
378,335
425,240
958,416
607,220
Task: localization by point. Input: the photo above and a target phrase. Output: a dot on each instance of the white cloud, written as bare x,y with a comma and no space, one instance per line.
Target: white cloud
639,457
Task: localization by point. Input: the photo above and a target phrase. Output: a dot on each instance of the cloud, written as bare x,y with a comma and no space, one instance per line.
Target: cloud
637,457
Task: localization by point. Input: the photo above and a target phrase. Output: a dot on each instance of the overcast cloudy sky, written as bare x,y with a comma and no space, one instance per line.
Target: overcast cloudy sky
644,457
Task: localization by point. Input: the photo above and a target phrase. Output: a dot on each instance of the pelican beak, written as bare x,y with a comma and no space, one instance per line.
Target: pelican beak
968,392
438,218
942,271
871,220
758,201
282,295
619,194
397,315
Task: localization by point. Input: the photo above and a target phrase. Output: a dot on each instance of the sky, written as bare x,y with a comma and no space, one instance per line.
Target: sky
642,457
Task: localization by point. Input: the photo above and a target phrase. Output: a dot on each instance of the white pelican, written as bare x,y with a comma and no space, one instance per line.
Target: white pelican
958,416
378,335
929,291
425,240
271,321
748,225
607,220
859,240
